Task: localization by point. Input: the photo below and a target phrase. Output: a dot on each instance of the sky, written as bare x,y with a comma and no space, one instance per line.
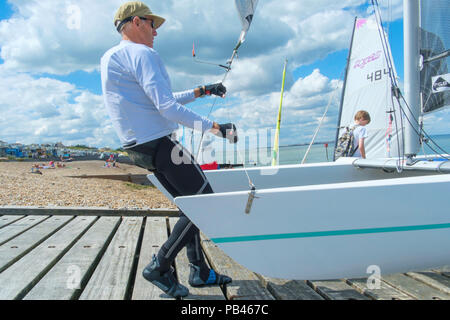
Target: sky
50,88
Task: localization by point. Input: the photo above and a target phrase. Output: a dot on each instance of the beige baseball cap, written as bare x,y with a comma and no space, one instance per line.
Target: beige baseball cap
136,8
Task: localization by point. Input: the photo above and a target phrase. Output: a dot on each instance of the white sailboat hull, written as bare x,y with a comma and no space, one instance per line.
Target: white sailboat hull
332,230
340,171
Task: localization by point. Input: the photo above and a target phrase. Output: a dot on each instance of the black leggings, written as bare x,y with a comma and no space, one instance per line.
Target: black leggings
179,173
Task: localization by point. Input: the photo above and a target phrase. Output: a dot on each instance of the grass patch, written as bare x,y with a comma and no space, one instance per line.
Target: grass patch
136,186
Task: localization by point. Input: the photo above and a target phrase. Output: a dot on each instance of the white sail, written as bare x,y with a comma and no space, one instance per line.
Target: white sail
368,87
435,56
246,9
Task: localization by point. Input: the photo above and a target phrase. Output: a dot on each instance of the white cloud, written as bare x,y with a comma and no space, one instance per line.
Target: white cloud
50,37
303,106
46,36
38,110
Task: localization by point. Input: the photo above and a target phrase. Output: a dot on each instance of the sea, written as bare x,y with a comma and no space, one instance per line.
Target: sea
319,152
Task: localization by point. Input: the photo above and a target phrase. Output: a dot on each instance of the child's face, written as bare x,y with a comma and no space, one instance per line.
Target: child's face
363,122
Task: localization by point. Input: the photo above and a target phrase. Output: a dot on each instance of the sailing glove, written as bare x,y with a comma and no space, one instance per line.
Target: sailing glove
228,131
217,89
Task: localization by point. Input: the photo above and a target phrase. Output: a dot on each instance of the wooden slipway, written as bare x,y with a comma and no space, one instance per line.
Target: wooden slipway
92,257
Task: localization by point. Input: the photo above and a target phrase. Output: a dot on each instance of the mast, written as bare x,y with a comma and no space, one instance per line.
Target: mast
343,89
411,29
275,154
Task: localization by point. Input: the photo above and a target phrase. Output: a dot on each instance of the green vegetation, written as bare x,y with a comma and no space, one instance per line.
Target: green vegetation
11,158
81,147
135,186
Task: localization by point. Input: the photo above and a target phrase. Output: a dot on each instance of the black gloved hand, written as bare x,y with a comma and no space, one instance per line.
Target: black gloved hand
217,89
228,131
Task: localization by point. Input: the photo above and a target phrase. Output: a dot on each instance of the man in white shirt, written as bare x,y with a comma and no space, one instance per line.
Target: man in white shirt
145,112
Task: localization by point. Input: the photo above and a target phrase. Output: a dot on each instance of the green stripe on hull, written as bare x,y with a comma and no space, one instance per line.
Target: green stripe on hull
329,233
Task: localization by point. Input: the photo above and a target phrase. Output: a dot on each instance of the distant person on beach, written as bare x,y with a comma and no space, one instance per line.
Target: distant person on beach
35,169
362,118
145,112
60,165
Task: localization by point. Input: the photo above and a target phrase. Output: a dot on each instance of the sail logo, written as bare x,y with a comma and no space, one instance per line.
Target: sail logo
361,63
441,83
360,23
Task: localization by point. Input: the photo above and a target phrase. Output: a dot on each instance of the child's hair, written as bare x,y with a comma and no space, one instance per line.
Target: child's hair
362,115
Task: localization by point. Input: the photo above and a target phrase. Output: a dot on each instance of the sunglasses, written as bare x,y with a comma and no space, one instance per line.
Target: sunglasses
152,23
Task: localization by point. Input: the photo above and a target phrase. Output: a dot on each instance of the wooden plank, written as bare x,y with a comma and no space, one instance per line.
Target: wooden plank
18,227
6,220
384,292
155,234
283,289
246,285
432,279
83,211
444,270
21,245
66,279
111,278
336,290
183,271
414,288
19,278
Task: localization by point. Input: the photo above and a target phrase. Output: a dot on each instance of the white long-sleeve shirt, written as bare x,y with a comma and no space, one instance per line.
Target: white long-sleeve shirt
138,96
360,132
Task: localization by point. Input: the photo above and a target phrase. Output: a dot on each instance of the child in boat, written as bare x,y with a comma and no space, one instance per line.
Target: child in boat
362,118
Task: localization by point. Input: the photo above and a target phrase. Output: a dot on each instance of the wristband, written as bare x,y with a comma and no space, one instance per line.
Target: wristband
202,91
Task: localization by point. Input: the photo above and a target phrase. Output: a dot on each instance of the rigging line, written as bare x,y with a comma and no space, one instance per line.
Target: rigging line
394,84
250,182
321,120
425,133
409,120
400,150
390,19
229,62
417,122
210,63
215,98
210,110
341,104
400,143
423,149
384,42
428,137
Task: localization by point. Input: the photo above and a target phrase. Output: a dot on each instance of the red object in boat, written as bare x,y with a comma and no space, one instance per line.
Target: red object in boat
210,166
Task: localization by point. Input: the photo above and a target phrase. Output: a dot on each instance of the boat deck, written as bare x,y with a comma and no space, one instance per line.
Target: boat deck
89,255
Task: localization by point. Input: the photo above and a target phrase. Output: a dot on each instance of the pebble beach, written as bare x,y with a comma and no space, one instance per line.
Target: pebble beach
56,187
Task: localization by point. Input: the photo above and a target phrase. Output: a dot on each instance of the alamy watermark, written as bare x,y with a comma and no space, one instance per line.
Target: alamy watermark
253,146
74,279
374,280
73,17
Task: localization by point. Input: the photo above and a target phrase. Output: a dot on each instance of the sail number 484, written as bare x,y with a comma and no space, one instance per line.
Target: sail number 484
377,75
